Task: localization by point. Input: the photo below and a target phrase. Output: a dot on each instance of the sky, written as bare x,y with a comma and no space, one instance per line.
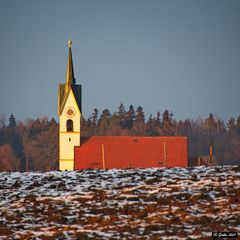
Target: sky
183,56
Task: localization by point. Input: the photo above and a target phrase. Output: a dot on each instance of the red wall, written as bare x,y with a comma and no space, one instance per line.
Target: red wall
133,152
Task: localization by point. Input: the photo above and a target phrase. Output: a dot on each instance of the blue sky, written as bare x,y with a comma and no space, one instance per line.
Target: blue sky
178,55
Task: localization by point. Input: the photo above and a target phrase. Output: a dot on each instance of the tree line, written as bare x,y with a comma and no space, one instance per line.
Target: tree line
32,145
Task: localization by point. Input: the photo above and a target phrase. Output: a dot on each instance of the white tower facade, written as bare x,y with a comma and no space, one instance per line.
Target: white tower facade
69,111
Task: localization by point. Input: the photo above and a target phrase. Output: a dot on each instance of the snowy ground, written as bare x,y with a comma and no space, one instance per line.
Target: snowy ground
175,203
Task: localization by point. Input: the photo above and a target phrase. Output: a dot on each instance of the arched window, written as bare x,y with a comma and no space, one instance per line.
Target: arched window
69,125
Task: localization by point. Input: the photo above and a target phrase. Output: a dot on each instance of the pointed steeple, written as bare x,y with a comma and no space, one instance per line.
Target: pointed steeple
70,79
70,86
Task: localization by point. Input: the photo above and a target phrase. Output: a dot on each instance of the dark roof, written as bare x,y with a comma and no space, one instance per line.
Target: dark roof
77,90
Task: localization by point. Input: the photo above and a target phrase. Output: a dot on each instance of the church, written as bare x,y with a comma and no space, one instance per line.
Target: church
105,152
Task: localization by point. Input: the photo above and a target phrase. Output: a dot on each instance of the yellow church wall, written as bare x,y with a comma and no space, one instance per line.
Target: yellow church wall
66,165
67,140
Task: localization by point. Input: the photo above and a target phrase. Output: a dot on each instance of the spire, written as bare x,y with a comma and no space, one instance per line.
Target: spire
70,80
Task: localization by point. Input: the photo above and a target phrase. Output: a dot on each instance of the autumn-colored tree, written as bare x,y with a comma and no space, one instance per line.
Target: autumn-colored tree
10,135
42,151
231,125
8,159
238,125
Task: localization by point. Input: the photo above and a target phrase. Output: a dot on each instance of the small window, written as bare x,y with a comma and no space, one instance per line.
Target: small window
69,125
69,139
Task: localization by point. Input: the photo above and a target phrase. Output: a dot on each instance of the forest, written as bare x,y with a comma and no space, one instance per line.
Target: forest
32,144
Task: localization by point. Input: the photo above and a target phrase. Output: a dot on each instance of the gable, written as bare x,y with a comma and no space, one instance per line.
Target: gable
72,94
70,101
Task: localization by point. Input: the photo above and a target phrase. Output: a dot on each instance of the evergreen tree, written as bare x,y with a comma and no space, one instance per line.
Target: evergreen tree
115,128
158,120
94,117
139,126
85,127
140,117
153,125
150,127
168,123
130,117
179,128
92,123
211,125
121,110
158,124
12,122
103,122
122,115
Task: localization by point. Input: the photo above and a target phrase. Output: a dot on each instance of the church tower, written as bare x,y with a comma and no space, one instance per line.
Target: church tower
69,111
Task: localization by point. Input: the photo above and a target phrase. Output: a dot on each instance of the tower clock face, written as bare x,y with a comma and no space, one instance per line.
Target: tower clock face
70,112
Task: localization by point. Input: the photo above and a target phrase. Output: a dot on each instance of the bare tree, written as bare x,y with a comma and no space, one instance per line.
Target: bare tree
3,119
